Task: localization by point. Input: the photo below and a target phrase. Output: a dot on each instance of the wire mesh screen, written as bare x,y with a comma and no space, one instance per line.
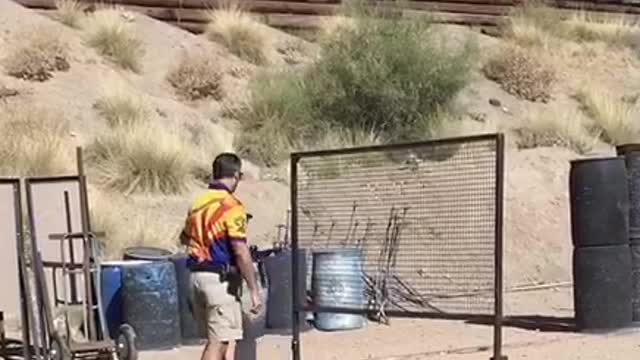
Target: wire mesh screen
408,228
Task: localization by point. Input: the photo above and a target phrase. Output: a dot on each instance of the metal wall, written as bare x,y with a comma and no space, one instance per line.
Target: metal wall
426,218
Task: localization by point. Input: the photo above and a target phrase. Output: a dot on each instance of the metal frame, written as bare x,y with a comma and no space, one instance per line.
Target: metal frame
42,299
498,257
25,296
98,336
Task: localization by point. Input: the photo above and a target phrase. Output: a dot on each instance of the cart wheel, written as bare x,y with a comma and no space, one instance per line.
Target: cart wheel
59,350
126,343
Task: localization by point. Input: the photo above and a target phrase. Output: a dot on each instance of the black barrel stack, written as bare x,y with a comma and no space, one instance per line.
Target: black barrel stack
602,266
631,154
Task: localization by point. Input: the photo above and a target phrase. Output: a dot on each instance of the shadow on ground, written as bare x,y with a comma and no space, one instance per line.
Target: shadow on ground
532,322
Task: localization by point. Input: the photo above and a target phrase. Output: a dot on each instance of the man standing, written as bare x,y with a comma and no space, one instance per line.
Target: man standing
215,235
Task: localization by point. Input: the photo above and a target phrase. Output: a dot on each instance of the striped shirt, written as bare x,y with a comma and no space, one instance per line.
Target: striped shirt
215,219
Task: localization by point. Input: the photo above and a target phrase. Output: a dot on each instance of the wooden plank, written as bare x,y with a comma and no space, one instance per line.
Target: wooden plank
286,7
599,7
209,4
458,7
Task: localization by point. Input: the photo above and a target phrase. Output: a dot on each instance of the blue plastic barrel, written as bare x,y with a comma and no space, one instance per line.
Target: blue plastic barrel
111,289
279,302
188,325
150,304
337,282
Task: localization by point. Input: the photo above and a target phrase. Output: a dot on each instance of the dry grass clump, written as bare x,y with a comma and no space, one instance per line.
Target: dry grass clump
196,77
141,159
242,34
40,53
109,32
125,226
334,25
69,12
553,128
207,141
34,142
522,73
536,24
122,106
613,119
612,30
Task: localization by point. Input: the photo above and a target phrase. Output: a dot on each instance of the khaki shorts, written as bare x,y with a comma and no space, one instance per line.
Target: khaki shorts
216,306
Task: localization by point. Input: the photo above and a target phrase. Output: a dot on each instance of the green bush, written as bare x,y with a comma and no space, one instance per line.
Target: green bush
386,77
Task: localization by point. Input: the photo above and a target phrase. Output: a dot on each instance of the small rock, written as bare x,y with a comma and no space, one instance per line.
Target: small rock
161,113
6,92
495,102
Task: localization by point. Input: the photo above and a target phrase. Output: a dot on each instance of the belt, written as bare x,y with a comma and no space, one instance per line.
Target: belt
213,268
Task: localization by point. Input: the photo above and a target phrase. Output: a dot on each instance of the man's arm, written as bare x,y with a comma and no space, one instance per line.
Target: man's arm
236,229
245,263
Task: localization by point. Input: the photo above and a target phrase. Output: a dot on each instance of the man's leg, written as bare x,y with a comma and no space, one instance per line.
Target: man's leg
223,317
231,351
214,350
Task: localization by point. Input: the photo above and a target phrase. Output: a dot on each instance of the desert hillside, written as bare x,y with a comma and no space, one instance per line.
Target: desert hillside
153,104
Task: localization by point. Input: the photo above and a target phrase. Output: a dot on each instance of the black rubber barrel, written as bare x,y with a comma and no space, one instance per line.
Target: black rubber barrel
599,199
635,278
150,304
279,299
631,153
602,287
188,326
148,253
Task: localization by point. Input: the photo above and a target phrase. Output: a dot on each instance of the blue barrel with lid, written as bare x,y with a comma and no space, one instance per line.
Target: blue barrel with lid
150,304
111,291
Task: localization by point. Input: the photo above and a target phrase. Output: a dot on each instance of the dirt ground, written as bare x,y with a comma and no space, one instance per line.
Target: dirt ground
538,327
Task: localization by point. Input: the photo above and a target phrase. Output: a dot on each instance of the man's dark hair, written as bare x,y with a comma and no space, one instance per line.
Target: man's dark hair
226,165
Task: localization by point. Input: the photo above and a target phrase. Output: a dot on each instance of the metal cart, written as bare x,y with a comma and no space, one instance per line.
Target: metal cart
78,276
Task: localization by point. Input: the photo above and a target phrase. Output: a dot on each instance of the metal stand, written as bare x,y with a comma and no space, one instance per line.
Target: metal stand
58,343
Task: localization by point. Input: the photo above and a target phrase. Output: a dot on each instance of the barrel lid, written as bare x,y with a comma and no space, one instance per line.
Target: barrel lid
337,251
124,262
627,148
607,158
146,253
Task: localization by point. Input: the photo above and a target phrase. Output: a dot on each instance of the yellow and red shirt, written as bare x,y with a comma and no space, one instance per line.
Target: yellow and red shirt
215,219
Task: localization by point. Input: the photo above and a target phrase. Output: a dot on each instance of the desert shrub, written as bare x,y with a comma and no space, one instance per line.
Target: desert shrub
612,119
615,30
278,110
196,76
40,53
113,37
69,12
124,225
34,142
206,140
122,106
240,32
522,73
554,128
385,77
536,24
140,159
